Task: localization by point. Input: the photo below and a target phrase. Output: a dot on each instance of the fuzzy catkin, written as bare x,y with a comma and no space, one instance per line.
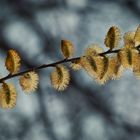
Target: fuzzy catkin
113,37
8,96
12,62
67,48
60,78
29,81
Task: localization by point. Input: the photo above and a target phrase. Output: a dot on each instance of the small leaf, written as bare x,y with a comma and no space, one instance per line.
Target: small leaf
113,37
67,48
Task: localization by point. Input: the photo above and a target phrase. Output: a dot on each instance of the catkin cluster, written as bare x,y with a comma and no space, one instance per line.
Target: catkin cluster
104,66
28,81
99,64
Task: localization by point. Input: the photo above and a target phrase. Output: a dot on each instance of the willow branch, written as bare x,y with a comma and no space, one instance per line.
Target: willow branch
53,65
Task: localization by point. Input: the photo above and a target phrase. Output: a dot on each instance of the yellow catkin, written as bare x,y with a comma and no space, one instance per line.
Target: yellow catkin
136,65
133,37
115,68
8,96
137,36
135,57
125,57
136,70
91,60
93,50
29,81
76,64
102,69
60,78
96,67
113,37
128,56
12,62
67,48
89,64
129,38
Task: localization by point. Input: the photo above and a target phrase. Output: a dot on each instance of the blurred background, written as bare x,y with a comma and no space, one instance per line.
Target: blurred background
86,110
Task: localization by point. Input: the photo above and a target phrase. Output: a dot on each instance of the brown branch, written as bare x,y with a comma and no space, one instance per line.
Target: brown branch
53,65
38,68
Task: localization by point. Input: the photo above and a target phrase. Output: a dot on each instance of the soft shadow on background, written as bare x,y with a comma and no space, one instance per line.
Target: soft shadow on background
85,111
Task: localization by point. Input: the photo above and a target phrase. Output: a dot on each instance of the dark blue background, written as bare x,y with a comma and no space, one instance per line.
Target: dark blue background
86,110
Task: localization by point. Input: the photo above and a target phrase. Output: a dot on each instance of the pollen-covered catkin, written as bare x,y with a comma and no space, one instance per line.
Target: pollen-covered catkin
67,48
93,50
132,37
95,64
76,64
113,37
12,62
89,64
125,57
129,38
89,61
29,81
102,72
136,65
137,36
115,68
8,96
128,56
60,78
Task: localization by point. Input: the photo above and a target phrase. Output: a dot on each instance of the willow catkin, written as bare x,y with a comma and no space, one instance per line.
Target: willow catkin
125,57
113,37
60,78
76,64
115,68
67,48
29,81
102,69
96,67
89,61
95,64
12,62
137,36
8,96
93,50
89,64
136,65
128,56
129,38
135,57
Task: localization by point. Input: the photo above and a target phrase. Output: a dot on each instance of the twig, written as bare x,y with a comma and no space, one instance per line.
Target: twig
9,76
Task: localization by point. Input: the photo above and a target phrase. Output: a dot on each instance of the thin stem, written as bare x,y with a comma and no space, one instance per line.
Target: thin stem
9,76
38,68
